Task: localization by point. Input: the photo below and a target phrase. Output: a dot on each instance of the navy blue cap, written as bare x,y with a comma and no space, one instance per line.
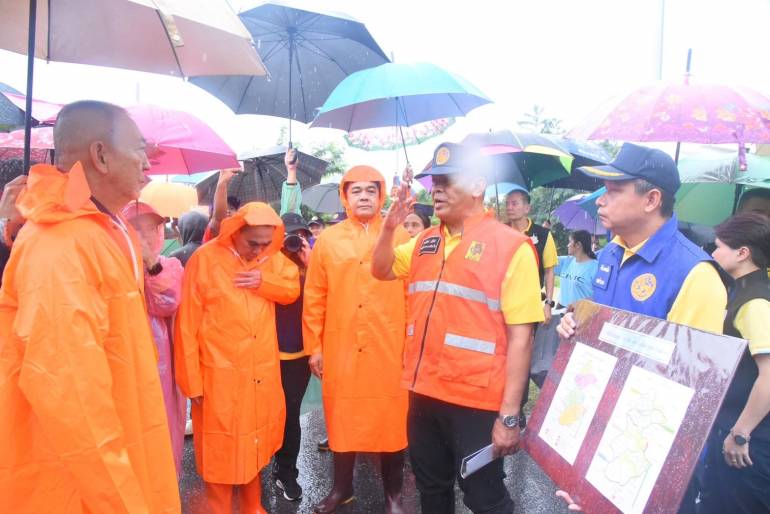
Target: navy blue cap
635,161
450,158
315,220
424,209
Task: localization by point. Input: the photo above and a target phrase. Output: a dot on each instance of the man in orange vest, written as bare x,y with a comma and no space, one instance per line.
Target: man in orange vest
473,297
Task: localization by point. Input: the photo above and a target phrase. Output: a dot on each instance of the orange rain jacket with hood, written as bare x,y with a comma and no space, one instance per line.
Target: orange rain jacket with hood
358,323
227,350
82,420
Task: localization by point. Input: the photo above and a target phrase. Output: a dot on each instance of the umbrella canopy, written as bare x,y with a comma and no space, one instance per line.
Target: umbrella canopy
177,37
712,182
527,159
169,199
323,198
185,38
42,112
574,217
390,138
308,53
10,115
398,94
694,113
180,142
263,176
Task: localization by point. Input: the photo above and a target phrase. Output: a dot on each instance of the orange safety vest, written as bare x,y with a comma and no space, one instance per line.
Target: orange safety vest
456,335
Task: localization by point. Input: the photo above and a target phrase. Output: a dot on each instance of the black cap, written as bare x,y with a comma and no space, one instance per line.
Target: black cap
451,158
315,220
635,161
293,221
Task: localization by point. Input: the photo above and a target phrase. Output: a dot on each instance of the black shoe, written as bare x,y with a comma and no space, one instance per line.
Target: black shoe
291,489
323,445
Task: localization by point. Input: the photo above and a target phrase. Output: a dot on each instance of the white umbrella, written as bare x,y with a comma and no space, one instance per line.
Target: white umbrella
185,38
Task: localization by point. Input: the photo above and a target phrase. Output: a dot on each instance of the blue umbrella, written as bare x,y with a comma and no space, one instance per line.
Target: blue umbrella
307,54
397,94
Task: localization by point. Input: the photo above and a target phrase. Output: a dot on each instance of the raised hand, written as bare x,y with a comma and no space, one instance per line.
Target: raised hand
400,208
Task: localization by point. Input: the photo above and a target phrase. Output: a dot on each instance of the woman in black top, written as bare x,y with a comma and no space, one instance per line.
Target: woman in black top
737,476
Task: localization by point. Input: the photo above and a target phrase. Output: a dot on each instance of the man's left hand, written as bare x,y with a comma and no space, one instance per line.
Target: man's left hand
736,456
248,279
547,314
505,441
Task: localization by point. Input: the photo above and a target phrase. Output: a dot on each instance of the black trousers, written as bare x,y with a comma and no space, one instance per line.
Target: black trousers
740,491
295,375
440,436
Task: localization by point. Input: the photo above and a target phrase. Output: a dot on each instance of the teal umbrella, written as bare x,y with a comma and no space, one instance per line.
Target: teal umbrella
712,183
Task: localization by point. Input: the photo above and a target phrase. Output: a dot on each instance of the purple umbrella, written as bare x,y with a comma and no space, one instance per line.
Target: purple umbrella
575,217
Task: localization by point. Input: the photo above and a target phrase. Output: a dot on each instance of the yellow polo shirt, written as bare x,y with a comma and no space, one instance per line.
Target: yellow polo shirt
702,300
550,258
520,290
753,322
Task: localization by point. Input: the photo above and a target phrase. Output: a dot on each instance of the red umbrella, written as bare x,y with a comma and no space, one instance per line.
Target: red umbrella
179,142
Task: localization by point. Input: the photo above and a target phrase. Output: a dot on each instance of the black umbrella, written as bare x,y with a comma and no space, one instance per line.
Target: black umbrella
263,176
308,54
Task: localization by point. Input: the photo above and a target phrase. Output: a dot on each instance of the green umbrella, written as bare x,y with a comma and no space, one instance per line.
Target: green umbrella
712,182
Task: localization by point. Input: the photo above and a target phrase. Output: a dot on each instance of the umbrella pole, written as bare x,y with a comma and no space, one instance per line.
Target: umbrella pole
676,152
291,66
30,77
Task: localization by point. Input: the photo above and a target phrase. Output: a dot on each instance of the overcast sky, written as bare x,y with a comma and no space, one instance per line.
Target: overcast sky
565,55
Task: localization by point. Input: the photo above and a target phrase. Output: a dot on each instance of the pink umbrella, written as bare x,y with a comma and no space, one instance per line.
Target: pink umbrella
182,143
179,142
43,112
688,113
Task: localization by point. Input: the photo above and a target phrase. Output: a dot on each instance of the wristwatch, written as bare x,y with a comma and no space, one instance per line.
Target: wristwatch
550,303
739,439
509,420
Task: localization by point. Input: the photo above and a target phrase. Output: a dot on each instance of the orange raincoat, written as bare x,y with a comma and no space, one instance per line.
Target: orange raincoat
227,350
82,421
358,323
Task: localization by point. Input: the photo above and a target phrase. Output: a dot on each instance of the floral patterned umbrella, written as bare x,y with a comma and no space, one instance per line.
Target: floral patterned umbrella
389,138
686,113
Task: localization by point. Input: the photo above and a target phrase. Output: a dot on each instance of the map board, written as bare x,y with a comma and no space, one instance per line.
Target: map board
626,409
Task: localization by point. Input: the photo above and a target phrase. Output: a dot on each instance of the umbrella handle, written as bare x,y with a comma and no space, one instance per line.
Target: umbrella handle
30,77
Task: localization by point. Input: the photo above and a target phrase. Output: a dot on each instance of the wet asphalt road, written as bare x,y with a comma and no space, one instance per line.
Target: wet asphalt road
531,489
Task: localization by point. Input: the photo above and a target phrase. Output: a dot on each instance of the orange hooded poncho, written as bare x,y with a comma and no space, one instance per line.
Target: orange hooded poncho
358,323
227,350
82,421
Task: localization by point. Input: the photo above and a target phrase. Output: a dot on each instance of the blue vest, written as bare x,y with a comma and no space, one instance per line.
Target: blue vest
648,282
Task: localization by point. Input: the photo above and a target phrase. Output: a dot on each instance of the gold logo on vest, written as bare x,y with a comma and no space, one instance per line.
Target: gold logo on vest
475,250
643,287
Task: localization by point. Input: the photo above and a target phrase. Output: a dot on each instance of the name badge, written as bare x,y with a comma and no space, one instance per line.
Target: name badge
602,278
430,245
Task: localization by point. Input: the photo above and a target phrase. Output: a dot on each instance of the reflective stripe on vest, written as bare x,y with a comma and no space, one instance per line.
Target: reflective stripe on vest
469,343
466,293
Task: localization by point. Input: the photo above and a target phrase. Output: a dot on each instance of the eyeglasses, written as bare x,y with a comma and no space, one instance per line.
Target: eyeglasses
258,244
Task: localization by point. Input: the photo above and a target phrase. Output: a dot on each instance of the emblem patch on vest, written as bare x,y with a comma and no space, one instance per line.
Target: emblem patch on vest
475,250
534,239
430,245
643,286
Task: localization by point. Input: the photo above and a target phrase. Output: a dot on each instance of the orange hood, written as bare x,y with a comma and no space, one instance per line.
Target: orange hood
253,214
52,196
362,174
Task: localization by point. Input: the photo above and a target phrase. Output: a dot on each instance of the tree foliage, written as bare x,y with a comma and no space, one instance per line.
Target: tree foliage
536,121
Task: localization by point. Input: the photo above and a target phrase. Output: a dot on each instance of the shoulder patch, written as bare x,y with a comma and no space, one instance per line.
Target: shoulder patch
430,245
